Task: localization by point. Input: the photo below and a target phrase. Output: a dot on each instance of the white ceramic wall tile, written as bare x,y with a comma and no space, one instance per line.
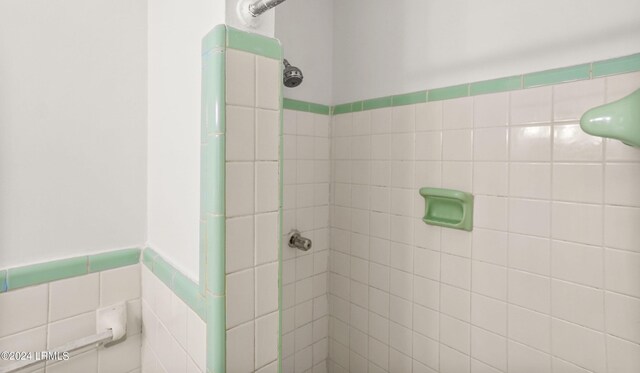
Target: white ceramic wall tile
490,144
531,105
579,345
620,227
240,189
530,144
577,263
566,225
571,100
240,133
73,296
23,309
551,262
570,143
240,298
240,348
457,113
120,284
67,330
621,274
239,241
530,180
241,79
267,83
621,184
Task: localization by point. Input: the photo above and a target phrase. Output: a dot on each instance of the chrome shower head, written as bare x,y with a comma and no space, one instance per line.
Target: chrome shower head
291,76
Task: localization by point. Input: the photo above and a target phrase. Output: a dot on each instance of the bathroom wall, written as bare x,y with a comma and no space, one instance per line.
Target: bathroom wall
548,278
252,207
393,47
305,29
175,33
72,128
173,335
306,209
48,315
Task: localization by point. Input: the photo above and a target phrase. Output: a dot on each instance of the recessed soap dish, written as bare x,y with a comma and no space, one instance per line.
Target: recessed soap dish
448,208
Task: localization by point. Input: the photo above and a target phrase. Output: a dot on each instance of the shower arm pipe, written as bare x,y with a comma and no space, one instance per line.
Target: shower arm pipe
261,6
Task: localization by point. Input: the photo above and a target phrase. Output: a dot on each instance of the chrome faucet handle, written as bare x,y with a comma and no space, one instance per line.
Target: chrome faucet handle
299,242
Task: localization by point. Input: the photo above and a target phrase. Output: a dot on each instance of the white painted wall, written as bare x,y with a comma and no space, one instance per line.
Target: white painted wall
175,33
392,47
265,24
305,29
72,128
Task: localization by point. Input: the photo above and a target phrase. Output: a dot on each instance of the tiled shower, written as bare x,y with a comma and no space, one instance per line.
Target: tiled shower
175,206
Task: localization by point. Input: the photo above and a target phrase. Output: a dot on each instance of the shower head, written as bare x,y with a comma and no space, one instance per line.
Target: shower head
291,76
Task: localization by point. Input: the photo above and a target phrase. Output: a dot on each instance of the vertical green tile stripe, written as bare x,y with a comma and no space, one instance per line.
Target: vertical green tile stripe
319,109
113,259
410,98
555,76
377,103
496,85
46,272
3,281
215,39
448,93
216,254
216,334
620,65
253,43
291,104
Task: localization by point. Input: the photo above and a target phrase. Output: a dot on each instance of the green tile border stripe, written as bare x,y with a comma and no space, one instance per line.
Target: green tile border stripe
40,273
181,285
555,76
496,85
113,259
254,43
620,65
409,98
3,281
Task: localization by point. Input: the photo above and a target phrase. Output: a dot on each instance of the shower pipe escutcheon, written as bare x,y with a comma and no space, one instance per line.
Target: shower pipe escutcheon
298,242
261,6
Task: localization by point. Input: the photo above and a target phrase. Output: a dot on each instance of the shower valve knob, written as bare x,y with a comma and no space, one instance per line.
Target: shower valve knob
299,242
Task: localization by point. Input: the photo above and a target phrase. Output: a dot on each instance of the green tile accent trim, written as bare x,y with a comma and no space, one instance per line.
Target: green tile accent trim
341,109
555,76
614,66
448,93
3,281
189,292
496,85
254,43
216,334
216,256
113,259
377,103
291,104
319,109
35,274
409,98
215,39
357,106
180,284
